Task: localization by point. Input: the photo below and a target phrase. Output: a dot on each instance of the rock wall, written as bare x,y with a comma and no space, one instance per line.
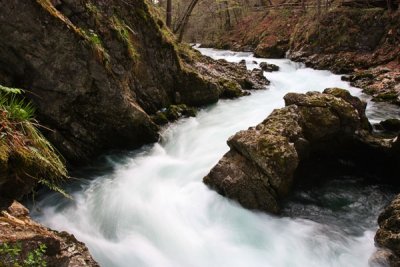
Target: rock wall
97,69
316,136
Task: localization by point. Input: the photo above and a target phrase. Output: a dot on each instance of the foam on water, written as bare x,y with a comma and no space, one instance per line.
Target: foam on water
153,210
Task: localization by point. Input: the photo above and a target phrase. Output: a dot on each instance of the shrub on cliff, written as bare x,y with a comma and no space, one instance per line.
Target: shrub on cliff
26,157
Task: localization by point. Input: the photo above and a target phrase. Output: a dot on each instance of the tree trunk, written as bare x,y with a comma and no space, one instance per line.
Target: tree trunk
169,13
227,24
181,25
319,8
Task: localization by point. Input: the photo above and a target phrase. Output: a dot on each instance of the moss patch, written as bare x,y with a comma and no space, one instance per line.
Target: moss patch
230,89
173,113
125,34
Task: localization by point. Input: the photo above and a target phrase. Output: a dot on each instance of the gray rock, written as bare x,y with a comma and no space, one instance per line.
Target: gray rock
268,67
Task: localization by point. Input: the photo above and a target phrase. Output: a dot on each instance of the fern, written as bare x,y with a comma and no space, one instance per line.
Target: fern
52,186
17,107
9,90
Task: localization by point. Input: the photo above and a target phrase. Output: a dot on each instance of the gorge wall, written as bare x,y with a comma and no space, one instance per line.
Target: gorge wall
97,69
96,72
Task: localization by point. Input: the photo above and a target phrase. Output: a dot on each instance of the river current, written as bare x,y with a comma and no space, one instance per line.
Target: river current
149,207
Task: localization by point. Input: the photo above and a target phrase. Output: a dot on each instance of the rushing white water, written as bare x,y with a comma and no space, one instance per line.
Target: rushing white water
153,210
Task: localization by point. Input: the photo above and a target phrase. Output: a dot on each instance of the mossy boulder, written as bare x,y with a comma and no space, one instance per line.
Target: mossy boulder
387,96
308,139
173,113
272,49
268,67
231,89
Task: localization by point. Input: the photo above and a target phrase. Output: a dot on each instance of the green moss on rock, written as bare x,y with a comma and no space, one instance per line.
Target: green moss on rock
386,97
125,34
173,113
231,89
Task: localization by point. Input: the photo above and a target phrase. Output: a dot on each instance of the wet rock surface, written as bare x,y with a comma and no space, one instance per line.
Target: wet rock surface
383,84
60,248
268,67
316,135
388,234
173,113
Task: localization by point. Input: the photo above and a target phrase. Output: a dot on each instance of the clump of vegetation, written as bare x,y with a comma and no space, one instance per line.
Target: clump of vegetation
125,34
89,36
94,38
12,255
26,157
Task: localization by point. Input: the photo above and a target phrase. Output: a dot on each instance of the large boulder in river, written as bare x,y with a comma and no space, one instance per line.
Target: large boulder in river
316,135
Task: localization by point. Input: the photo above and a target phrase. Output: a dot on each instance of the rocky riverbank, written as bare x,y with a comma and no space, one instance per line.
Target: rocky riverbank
363,42
316,136
27,159
25,242
351,37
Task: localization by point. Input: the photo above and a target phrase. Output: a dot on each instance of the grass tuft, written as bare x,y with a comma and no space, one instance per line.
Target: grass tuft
25,154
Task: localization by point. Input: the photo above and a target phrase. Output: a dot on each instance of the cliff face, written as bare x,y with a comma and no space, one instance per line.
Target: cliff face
96,69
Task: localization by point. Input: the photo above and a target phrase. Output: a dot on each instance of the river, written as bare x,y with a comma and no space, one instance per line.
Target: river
149,207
